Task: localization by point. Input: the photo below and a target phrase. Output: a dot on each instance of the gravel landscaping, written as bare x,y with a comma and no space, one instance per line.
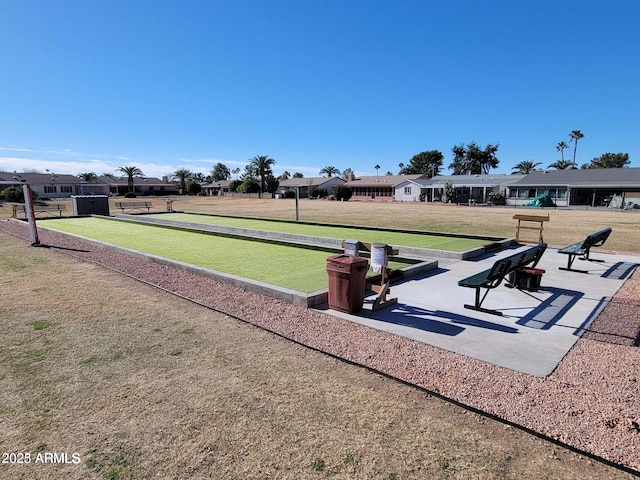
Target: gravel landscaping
590,402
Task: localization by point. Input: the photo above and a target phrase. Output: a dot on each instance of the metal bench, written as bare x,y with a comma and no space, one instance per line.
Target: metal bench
582,249
133,206
493,277
51,209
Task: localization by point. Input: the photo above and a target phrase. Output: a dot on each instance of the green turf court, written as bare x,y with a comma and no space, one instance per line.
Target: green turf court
297,268
426,240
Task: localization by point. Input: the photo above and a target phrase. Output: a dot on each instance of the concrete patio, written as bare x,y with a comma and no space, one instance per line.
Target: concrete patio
536,330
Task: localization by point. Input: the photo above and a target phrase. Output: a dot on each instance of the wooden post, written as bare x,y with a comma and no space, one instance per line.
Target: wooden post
31,216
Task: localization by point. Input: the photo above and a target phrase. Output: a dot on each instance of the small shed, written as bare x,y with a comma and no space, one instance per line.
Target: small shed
90,205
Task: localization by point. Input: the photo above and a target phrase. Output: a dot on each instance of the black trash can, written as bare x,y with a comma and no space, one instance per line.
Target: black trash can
347,278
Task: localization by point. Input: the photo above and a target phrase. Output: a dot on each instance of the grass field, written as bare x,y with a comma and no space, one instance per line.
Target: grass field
438,242
564,228
296,268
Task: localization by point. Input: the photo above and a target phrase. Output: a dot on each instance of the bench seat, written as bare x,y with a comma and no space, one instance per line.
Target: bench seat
50,209
583,249
134,206
493,277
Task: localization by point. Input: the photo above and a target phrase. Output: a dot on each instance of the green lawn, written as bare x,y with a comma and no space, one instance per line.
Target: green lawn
297,268
431,241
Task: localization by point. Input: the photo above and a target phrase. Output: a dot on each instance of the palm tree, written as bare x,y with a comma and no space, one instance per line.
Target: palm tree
236,171
87,176
182,175
286,175
330,171
377,167
562,165
261,166
525,167
575,136
561,147
130,172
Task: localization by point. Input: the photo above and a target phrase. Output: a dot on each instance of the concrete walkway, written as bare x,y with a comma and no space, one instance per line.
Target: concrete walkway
537,329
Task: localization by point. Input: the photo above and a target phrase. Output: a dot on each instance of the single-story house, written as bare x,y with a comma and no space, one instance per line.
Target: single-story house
141,185
382,187
221,187
308,186
593,187
470,188
53,185
49,185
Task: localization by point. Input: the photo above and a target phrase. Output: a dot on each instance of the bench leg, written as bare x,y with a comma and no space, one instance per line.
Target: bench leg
570,261
478,304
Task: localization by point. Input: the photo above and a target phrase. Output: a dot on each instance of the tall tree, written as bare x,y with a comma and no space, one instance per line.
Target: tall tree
261,166
236,171
330,171
182,175
525,167
424,163
609,160
220,172
575,135
87,176
347,173
272,184
298,175
377,167
130,172
285,175
563,165
561,147
472,160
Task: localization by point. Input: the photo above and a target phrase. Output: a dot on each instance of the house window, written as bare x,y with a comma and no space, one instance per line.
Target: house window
50,189
66,189
407,190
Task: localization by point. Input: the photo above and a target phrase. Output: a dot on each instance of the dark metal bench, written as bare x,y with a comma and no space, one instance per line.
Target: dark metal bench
493,277
583,249
133,206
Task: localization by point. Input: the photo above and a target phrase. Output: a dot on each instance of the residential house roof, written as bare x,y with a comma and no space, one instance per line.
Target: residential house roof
382,180
150,181
485,180
307,181
584,178
218,184
39,178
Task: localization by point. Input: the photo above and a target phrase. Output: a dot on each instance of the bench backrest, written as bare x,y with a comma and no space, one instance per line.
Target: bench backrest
530,257
596,239
499,270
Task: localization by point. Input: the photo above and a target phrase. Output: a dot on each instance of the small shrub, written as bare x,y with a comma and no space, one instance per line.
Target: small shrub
193,188
342,192
12,194
130,195
321,193
497,198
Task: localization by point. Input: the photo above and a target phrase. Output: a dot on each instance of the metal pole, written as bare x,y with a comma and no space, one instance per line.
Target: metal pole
31,217
297,207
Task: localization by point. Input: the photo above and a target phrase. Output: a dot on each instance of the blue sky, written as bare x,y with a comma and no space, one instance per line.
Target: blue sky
95,85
